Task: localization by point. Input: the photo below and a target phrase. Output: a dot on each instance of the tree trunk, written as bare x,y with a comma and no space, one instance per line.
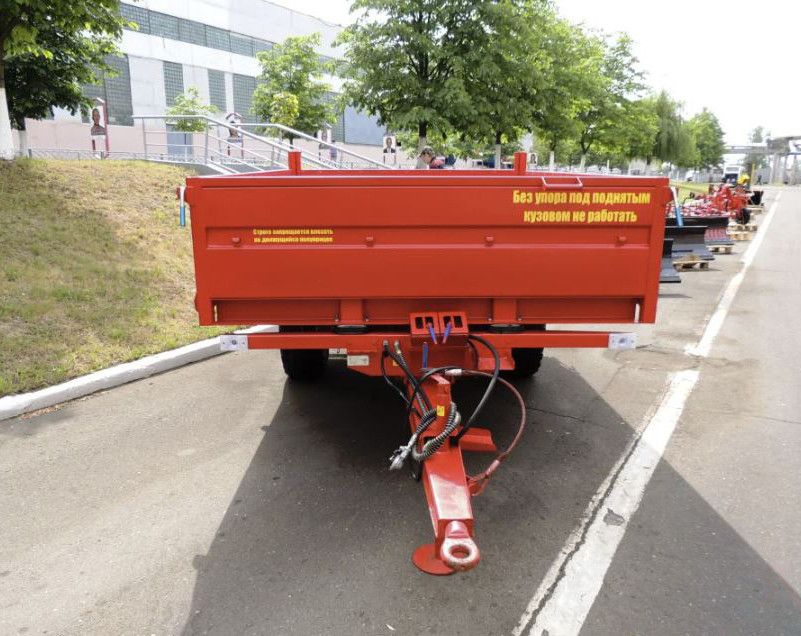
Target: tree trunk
422,142
6,141
552,161
648,166
23,141
583,162
498,157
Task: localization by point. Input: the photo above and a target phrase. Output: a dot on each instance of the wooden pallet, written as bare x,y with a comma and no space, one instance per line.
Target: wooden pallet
690,264
721,249
755,209
736,227
739,236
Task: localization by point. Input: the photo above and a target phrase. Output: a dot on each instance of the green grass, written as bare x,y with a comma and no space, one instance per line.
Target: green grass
94,269
686,187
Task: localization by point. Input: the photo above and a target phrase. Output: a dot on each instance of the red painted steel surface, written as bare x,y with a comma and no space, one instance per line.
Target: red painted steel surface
455,353
412,254
448,495
371,247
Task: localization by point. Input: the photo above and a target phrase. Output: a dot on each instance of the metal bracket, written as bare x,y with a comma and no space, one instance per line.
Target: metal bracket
233,342
622,340
358,360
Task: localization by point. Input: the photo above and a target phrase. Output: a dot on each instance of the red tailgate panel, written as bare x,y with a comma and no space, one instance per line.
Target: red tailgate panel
327,248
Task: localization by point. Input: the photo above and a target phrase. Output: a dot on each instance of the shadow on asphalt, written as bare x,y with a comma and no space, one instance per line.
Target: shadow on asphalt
319,535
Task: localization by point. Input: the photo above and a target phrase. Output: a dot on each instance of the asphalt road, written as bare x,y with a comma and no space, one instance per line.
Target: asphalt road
222,499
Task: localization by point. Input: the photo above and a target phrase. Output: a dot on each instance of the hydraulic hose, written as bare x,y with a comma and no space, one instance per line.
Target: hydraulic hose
401,362
494,378
384,356
426,374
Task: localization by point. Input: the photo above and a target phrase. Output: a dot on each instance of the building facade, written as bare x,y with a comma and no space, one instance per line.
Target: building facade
208,44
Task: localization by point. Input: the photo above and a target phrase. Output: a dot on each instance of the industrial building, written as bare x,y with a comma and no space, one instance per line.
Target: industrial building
208,44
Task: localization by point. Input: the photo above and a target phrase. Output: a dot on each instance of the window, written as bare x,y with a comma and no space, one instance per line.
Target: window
244,86
169,26
115,91
261,45
192,32
241,44
218,38
173,81
118,93
140,15
93,90
163,25
217,90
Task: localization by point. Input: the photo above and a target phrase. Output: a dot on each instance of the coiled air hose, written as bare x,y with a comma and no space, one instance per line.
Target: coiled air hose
478,482
432,445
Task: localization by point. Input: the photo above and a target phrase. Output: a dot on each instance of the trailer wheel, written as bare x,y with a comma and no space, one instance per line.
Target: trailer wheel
527,362
304,365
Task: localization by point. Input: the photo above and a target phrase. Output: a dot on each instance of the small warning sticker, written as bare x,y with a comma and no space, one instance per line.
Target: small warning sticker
296,235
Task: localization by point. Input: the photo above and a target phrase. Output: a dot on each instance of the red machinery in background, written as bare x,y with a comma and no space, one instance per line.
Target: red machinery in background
427,276
722,200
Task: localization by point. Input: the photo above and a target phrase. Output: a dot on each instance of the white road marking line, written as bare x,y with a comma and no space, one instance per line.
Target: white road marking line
716,321
748,257
564,608
563,600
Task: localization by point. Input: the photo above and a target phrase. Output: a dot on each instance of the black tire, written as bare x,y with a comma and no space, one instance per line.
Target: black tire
527,362
304,365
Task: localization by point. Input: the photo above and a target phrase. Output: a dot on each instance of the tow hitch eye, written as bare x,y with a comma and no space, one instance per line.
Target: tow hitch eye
458,550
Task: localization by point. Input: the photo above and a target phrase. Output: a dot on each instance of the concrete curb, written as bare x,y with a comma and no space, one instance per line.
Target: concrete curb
14,405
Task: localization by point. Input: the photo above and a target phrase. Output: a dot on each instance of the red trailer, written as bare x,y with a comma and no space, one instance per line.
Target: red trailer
423,277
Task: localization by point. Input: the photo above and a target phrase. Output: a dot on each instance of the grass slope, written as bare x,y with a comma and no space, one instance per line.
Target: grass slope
94,269
686,187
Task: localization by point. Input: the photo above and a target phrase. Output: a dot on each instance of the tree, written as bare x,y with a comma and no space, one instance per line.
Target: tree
611,81
687,155
668,142
755,161
555,120
190,103
559,151
708,133
635,131
505,72
67,39
289,70
285,109
37,84
406,60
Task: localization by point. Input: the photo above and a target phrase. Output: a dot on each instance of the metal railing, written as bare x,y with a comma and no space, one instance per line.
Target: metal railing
362,160
61,153
231,148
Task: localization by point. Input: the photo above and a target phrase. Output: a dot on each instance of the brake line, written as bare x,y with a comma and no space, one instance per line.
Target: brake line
479,482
